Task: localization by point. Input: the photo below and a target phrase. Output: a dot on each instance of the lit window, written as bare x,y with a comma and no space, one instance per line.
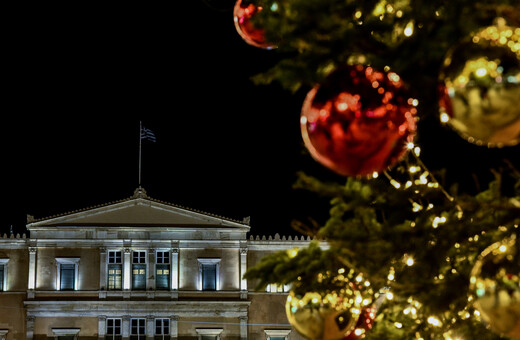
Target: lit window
115,270
208,333
139,270
277,288
113,331
3,274
162,329
209,274
137,329
162,270
277,334
67,273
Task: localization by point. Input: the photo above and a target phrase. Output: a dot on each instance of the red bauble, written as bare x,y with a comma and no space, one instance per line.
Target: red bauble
359,121
364,323
243,12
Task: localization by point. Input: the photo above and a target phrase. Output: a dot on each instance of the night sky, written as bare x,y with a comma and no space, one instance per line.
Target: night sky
80,83
80,79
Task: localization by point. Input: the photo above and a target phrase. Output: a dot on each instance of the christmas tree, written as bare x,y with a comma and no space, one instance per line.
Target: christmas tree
414,106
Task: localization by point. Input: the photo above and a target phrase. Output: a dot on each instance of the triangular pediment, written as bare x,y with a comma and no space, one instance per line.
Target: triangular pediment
139,210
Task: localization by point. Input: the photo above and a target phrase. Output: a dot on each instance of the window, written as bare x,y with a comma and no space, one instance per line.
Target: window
139,270
115,270
276,288
3,334
137,329
209,333
3,275
277,334
67,273
209,274
162,329
162,270
65,333
113,329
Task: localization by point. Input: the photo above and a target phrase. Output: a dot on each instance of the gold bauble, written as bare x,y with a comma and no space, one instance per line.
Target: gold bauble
329,316
480,87
495,284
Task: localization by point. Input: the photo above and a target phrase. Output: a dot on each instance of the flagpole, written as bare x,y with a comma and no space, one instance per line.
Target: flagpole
140,141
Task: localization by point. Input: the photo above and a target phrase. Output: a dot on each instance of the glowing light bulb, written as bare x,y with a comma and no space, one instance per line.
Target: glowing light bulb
408,31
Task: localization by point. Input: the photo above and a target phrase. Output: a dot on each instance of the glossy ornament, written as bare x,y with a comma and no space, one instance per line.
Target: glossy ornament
329,316
495,284
243,13
359,121
480,87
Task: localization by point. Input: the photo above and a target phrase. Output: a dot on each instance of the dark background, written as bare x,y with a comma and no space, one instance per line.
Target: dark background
78,80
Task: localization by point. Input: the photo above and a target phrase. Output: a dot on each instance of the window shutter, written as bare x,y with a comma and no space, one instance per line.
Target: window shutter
162,276
139,276
67,277
209,277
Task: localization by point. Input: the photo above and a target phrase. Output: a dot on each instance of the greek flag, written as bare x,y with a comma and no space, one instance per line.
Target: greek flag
147,134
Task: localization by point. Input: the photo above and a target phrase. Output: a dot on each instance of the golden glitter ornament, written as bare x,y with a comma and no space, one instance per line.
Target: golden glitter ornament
324,316
495,284
480,87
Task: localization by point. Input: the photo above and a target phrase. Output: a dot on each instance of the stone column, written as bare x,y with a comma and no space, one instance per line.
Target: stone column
243,269
175,269
125,327
102,322
102,268
127,269
243,327
150,327
32,272
174,327
30,326
150,282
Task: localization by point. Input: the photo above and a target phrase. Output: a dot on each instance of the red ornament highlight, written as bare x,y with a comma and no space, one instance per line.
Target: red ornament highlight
359,121
244,12
364,324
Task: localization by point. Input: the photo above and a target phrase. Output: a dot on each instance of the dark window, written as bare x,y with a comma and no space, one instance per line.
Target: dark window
209,277
162,329
67,275
137,329
114,257
113,329
163,257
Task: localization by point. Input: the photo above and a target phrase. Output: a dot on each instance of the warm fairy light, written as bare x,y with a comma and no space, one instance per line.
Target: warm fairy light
359,331
432,320
417,151
438,220
413,169
341,270
398,325
396,184
416,207
444,117
410,145
408,31
502,248
358,14
409,261
391,277
389,295
292,252
375,174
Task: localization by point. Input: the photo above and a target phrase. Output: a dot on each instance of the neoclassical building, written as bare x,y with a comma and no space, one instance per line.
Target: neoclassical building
139,268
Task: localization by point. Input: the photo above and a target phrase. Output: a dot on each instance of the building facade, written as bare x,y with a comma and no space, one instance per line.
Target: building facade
139,269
